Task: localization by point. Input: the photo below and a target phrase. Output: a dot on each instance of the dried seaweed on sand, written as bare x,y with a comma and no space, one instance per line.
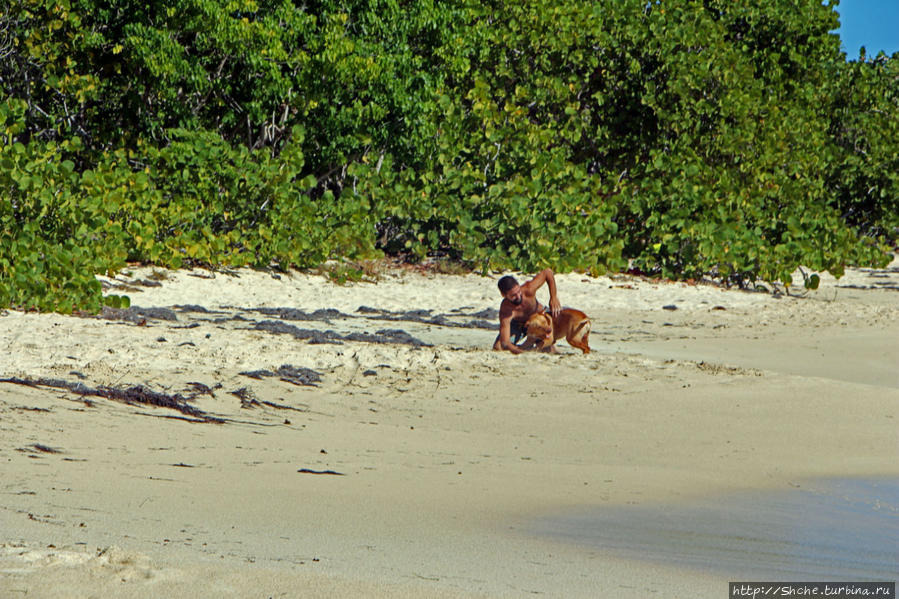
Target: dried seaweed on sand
134,394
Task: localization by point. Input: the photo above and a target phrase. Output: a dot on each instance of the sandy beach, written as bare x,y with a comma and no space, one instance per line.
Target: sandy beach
309,439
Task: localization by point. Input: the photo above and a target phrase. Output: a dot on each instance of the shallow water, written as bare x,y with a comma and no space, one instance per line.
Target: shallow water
832,529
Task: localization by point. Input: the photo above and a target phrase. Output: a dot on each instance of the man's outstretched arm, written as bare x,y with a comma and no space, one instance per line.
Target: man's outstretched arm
546,276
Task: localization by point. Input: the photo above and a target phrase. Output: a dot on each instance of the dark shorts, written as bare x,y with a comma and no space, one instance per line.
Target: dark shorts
517,330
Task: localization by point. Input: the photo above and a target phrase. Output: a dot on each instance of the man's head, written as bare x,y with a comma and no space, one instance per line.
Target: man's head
510,289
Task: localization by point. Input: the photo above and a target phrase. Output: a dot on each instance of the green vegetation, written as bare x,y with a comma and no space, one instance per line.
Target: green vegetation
682,137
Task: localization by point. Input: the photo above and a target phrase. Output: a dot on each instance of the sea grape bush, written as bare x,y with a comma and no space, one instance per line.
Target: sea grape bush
683,138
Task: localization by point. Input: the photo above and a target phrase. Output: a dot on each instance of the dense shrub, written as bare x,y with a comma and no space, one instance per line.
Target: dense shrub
681,137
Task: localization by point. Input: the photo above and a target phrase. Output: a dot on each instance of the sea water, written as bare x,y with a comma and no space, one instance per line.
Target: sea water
830,529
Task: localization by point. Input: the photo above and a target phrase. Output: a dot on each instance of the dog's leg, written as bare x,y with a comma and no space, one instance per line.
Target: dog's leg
545,345
582,345
579,336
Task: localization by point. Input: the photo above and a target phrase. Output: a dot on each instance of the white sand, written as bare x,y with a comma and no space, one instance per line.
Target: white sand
449,452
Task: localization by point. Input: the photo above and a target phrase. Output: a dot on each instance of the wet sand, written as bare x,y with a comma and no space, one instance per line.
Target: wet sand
823,530
418,462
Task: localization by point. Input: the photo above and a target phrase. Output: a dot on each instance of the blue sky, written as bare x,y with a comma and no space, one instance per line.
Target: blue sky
873,24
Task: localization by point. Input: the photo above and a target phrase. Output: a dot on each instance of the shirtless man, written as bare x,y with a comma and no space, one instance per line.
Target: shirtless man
519,302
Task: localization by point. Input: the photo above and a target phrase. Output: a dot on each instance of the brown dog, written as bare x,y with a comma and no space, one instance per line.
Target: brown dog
544,330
